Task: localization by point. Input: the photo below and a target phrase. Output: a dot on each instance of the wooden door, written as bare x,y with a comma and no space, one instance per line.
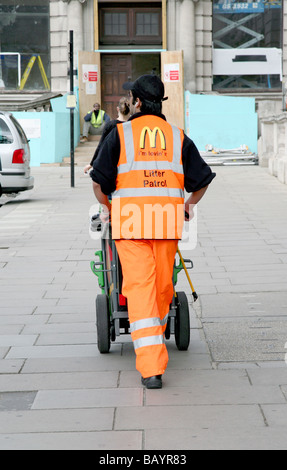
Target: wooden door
116,69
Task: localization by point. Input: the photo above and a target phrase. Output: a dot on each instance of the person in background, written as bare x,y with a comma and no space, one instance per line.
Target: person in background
94,122
123,110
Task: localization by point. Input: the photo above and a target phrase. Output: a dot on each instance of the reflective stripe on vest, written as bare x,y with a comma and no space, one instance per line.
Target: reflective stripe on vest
146,192
150,165
150,173
98,121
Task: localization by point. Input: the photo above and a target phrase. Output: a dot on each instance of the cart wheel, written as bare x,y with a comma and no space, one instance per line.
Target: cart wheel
103,323
182,323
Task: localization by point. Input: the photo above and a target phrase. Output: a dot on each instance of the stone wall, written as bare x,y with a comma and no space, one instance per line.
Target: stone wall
273,145
66,15
272,148
203,30
59,45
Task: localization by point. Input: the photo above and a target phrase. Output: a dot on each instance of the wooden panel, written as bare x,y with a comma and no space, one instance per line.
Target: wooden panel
86,101
96,25
173,108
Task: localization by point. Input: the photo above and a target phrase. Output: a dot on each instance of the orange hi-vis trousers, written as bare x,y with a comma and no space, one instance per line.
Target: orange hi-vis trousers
147,267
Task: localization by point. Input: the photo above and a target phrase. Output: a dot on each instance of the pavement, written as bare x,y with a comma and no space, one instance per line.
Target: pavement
228,391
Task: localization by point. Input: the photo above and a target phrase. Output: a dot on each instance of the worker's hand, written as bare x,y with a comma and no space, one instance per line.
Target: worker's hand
189,214
105,215
87,169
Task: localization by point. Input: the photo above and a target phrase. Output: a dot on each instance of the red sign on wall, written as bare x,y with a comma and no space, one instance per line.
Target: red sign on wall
174,75
171,73
93,76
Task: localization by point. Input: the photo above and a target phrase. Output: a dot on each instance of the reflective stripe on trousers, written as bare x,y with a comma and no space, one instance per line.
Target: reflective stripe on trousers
139,325
147,267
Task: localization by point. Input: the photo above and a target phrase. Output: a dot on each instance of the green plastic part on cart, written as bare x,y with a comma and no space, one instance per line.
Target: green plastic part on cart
176,270
97,268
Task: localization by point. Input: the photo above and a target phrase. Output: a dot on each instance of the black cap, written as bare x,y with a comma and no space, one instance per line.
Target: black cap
147,87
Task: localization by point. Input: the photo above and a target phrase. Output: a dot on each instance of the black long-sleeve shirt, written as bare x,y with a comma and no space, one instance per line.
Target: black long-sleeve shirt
109,126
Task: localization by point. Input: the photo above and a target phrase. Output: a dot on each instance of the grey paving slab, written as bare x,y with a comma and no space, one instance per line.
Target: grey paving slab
9,310
276,415
109,362
23,319
11,329
91,398
108,440
220,395
87,308
58,381
186,417
39,421
11,366
80,317
66,338
274,376
17,340
254,287
16,401
3,352
227,437
58,328
54,351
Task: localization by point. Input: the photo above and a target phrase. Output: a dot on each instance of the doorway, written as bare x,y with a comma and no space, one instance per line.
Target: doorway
116,69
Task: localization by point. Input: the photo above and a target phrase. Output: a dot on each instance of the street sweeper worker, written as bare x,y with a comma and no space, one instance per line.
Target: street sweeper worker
146,163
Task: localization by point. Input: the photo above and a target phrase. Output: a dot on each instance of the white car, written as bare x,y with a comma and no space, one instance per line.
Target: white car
15,174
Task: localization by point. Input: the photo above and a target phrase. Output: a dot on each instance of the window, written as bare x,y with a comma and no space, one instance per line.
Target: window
147,24
247,44
24,34
116,24
5,133
139,25
19,130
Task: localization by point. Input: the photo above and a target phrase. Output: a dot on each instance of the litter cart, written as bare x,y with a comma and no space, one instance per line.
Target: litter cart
111,306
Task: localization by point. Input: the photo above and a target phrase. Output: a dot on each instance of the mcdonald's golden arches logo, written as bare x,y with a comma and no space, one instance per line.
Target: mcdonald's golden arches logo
152,137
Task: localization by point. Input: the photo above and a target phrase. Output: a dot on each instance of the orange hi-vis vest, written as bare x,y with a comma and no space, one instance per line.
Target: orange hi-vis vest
148,202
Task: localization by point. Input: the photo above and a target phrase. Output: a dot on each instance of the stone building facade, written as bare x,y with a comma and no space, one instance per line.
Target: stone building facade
188,28
196,27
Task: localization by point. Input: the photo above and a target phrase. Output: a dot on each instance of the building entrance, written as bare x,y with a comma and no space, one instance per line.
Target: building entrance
119,68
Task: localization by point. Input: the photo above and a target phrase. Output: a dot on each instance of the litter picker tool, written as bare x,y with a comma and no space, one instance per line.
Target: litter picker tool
194,294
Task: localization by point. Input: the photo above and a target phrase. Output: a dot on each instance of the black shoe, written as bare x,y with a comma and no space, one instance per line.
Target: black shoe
152,382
